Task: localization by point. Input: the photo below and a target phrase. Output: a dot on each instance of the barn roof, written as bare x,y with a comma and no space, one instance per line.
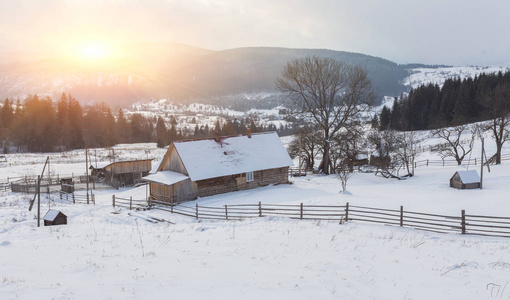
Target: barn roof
208,158
166,177
469,176
104,165
51,215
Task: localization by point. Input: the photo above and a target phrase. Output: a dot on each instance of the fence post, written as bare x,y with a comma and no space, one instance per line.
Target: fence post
74,200
94,199
427,162
113,200
401,216
347,212
301,211
226,212
463,221
475,161
260,209
171,208
196,211
130,202
443,161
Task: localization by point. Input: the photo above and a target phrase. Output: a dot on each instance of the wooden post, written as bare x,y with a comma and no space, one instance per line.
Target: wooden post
475,161
113,200
443,161
481,167
94,199
196,211
130,203
301,211
401,216
300,154
463,221
87,172
74,200
226,212
38,201
427,162
260,209
347,212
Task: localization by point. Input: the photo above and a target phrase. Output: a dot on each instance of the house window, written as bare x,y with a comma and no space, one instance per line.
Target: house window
249,176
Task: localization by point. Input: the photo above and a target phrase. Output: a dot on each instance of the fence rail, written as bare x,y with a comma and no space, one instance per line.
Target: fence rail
462,223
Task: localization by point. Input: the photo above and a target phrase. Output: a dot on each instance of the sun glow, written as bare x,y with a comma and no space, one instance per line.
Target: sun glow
93,51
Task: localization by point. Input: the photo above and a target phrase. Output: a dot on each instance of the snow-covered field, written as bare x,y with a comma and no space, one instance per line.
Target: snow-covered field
100,255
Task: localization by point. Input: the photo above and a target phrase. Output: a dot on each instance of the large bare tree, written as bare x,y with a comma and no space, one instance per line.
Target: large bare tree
327,91
454,146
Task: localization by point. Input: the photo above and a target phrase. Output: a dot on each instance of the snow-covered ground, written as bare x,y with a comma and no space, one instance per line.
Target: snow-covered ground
100,255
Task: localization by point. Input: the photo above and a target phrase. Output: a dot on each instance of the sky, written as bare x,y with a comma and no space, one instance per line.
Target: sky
453,32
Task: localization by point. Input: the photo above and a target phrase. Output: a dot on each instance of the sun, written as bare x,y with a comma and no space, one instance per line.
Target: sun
93,51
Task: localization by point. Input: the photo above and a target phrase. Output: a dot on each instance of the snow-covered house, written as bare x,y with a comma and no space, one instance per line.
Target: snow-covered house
205,167
465,180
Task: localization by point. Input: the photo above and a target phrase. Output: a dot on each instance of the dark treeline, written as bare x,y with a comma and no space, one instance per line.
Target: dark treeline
458,102
43,125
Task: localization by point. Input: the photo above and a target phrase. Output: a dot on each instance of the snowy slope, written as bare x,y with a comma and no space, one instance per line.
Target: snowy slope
100,255
438,76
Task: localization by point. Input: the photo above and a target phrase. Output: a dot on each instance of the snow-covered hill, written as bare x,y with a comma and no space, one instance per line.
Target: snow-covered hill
421,76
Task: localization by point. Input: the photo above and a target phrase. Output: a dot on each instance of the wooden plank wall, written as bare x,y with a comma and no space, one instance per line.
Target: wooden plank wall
139,166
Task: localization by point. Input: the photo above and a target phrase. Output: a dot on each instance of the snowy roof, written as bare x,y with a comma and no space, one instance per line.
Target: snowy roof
207,158
51,215
361,156
166,177
469,176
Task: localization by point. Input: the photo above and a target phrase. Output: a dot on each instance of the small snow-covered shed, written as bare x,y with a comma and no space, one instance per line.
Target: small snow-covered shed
205,167
54,217
465,180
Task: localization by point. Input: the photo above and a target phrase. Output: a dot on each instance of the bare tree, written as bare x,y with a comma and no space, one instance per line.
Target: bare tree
498,104
405,151
327,91
344,173
346,145
310,146
454,145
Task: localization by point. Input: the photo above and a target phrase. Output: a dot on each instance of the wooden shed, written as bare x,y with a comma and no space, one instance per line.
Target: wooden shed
122,173
205,167
465,180
67,185
54,217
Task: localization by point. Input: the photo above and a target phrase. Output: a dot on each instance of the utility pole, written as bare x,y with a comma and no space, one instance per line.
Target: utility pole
481,166
38,201
87,172
300,154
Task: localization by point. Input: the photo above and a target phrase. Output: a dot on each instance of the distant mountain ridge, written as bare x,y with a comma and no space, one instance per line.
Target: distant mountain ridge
178,72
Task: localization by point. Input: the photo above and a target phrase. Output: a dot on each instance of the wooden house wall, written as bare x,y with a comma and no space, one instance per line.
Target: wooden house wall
138,166
175,193
238,182
172,162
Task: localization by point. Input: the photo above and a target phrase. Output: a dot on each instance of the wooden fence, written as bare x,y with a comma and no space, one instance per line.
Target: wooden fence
453,162
129,203
462,223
